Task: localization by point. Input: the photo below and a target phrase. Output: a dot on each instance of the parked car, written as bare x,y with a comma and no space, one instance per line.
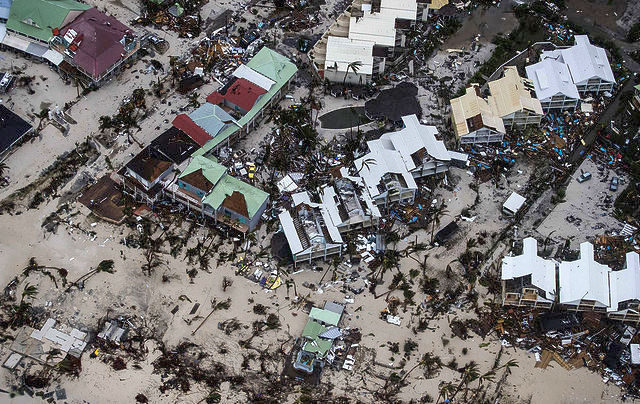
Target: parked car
252,170
613,186
585,176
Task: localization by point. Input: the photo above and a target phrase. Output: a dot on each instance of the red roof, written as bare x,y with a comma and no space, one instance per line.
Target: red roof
242,93
98,41
195,132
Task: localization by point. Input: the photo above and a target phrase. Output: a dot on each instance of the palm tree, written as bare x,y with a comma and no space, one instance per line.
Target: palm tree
103,266
366,163
355,67
3,167
29,292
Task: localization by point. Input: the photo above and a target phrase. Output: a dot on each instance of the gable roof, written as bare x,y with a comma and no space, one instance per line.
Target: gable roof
325,316
584,60
37,18
584,278
542,271
149,164
201,169
625,284
510,94
472,108
551,77
175,145
266,63
205,123
99,44
244,72
12,128
273,65
253,197
242,93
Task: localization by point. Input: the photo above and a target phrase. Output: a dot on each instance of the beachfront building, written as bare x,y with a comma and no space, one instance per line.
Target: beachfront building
12,130
309,230
474,120
95,47
205,123
147,174
625,290
528,279
584,283
30,24
206,187
513,99
348,208
318,337
426,7
366,35
241,103
553,85
635,101
588,65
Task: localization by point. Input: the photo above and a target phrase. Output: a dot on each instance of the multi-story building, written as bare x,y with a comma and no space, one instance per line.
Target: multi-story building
473,119
588,65
511,97
553,85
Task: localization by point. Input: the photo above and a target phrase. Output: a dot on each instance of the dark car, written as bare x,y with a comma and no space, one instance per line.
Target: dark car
585,176
613,186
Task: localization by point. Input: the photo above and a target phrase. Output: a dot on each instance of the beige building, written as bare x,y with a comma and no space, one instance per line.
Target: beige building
473,119
511,97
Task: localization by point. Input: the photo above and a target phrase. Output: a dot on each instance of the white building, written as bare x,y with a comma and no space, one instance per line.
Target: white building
584,283
553,85
341,52
528,279
396,159
588,65
348,208
625,290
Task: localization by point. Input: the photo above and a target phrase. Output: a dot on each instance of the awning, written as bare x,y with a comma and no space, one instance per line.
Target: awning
36,49
54,57
15,42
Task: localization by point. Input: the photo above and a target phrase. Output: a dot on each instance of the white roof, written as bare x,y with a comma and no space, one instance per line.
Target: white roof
245,72
379,163
3,31
635,353
342,51
514,202
584,60
379,28
551,77
290,232
54,57
542,271
625,284
413,137
405,9
287,184
303,197
584,278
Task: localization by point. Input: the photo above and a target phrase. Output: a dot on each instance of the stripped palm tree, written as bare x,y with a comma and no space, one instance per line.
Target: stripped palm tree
353,66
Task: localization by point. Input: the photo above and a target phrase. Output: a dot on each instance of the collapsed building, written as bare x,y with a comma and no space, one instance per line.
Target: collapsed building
529,280
318,336
310,230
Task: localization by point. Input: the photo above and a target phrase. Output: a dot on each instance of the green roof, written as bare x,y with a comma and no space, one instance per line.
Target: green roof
210,169
37,18
325,316
637,87
315,344
253,196
272,65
